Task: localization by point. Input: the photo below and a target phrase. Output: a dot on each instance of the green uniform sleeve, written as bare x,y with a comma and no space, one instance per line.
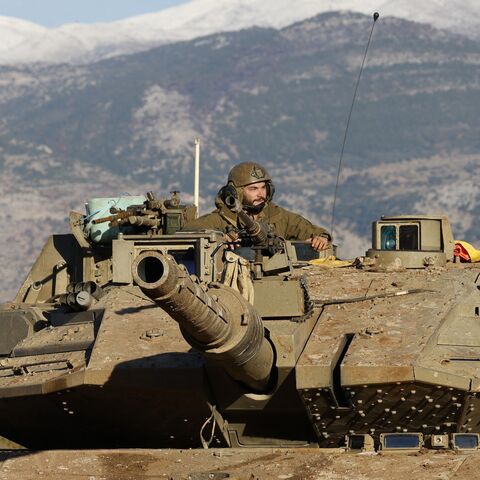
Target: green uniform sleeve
210,221
299,228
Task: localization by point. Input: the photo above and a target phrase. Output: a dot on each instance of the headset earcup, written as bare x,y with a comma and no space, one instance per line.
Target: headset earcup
270,190
230,190
238,191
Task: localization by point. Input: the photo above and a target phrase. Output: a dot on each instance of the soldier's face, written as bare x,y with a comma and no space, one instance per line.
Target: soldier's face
255,194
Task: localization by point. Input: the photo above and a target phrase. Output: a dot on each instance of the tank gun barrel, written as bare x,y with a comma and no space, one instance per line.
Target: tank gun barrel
217,320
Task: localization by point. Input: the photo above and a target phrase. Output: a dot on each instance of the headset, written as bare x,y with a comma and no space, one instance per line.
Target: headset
230,195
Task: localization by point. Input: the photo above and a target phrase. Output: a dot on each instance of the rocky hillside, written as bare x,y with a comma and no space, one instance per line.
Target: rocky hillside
280,97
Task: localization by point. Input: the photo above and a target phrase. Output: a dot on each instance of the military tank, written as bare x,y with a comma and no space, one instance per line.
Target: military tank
130,332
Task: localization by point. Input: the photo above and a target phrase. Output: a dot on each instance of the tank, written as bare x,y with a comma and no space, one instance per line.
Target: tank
164,338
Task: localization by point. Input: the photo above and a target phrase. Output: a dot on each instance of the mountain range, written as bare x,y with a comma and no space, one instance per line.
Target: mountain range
26,42
277,96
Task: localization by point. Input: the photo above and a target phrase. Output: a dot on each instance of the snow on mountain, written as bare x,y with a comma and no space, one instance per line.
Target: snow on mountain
24,42
16,31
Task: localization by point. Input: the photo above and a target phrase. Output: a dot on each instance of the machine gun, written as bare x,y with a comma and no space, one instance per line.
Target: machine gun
256,235
259,237
164,216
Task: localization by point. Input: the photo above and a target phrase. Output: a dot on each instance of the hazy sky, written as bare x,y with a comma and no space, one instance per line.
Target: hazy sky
52,13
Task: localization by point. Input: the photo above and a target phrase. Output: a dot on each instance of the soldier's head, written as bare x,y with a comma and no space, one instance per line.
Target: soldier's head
253,185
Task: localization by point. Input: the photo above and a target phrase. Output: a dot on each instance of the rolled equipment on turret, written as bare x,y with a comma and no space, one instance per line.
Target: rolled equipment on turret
217,321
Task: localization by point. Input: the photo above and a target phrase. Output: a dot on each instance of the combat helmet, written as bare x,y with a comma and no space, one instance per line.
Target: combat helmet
246,173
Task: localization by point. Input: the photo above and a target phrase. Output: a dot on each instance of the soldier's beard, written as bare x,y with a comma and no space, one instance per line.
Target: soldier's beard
254,209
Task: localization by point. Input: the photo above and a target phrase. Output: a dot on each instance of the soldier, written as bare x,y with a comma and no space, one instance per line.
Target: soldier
251,184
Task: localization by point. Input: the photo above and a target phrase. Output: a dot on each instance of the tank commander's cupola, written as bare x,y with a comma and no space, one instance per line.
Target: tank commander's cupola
409,241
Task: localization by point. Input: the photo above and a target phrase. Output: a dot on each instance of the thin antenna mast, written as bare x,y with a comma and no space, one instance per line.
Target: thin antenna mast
376,15
196,186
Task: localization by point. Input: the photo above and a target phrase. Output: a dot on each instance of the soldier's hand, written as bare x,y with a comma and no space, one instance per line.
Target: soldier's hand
319,243
231,237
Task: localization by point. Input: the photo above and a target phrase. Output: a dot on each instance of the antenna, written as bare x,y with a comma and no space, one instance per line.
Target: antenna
376,15
196,185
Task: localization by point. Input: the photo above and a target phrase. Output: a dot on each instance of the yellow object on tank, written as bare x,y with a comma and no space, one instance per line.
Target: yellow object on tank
472,252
